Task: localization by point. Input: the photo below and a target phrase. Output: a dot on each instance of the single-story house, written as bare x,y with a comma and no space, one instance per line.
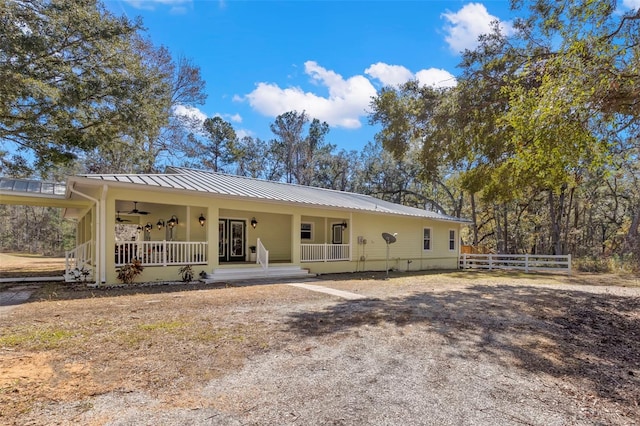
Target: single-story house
228,226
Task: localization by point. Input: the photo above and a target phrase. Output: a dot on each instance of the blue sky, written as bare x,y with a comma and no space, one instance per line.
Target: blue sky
263,58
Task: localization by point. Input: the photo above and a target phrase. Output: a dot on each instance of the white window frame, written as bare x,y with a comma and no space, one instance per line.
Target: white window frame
310,231
430,239
452,239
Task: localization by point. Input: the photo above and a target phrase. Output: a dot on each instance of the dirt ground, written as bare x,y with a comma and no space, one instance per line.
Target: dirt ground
438,348
28,265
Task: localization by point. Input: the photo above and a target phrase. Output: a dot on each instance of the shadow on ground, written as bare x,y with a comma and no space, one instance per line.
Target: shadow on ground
593,339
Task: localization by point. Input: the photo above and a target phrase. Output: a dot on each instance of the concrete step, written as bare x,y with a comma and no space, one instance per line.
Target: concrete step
256,272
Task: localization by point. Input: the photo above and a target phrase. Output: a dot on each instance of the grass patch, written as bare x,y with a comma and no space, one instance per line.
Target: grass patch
163,325
36,339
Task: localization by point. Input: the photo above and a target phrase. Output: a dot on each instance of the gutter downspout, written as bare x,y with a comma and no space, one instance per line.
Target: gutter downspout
103,233
100,265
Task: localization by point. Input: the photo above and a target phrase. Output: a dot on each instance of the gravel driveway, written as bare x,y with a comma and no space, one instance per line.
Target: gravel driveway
440,350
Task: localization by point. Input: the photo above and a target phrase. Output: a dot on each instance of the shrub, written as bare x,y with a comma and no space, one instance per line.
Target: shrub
617,264
128,273
187,273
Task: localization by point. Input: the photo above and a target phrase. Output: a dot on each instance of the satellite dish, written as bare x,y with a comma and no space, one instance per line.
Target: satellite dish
390,239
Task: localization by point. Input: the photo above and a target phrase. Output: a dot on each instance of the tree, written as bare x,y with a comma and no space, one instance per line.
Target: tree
300,157
288,128
73,77
535,120
219,148
253,158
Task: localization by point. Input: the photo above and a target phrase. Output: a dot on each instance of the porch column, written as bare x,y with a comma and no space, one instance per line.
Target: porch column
296,219
351,236
213,216
107,227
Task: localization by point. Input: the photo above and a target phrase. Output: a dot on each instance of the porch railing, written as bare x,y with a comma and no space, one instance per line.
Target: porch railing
523,262
324,252
78,262
162,253
262,255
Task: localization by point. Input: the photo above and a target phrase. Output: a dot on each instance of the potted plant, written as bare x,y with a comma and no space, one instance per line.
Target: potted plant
252,255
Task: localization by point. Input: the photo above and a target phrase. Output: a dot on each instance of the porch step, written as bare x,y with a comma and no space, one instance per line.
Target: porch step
256,272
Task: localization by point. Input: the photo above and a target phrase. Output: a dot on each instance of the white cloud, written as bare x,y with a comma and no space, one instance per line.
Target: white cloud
241,133
347,101
389,75
467,24
436,77
631,4
393,75
193,114
236,118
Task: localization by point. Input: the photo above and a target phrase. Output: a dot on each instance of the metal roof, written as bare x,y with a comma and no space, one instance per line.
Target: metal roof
32,186
257,189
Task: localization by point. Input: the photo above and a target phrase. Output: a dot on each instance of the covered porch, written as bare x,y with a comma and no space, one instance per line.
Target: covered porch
164,237
281,238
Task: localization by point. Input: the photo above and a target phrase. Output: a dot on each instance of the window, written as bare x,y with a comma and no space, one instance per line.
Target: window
306,231
337,233
426,239
452,239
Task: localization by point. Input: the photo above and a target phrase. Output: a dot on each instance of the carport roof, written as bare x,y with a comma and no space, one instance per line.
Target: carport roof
32,186
258,189
36,193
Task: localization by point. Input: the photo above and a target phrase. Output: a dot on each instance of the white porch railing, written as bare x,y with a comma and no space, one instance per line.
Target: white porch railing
324,252
162,253
523,262
262,255
78,262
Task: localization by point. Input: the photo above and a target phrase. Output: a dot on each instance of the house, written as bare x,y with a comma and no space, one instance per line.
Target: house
232,227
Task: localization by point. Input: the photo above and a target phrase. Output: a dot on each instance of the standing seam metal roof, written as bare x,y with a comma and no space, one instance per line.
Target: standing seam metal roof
246,187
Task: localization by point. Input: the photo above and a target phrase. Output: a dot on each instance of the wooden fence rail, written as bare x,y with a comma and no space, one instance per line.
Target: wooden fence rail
522,262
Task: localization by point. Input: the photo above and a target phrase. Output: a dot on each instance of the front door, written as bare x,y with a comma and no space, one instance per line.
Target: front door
231,240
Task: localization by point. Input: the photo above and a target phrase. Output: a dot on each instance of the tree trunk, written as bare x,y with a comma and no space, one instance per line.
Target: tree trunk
555,217
474,218
631,239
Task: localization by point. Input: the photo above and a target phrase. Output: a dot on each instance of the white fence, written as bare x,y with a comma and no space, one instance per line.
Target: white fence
262,257
324,252
162,253
78,262
522,262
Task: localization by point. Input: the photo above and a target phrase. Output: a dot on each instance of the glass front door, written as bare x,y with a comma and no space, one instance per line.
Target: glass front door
231,240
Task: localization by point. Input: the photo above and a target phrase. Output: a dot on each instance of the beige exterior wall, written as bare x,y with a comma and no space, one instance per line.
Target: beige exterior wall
405,254
279,230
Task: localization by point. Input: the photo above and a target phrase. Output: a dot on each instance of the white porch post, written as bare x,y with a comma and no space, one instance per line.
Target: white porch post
351,237
102,229
213,215
296,219
189,219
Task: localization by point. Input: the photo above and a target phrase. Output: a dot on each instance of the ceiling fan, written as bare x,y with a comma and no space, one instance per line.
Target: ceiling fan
136,211
120,220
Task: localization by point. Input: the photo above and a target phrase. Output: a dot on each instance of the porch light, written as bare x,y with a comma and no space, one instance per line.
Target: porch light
160,224
172,222
344,224
148,227
202,219
254,222
139,228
